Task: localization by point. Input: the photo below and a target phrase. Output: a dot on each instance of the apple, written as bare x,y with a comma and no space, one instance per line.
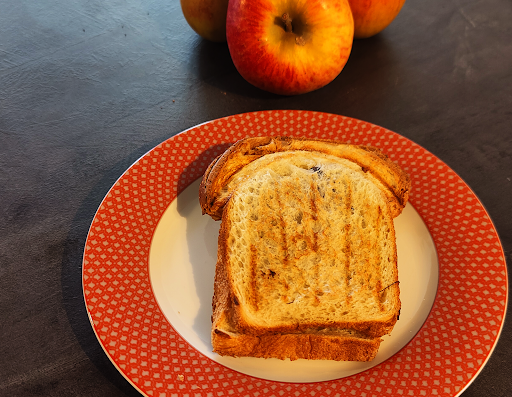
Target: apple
289,47
206,17
373,16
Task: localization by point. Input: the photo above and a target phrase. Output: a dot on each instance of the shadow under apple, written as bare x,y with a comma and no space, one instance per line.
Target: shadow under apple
371,79
373,61
212,63
371,58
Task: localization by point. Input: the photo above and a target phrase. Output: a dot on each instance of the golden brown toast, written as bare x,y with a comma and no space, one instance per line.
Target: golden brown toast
227,170
307,263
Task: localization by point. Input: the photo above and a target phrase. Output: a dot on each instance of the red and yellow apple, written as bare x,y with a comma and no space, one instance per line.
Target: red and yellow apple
206,17
373,16
289,47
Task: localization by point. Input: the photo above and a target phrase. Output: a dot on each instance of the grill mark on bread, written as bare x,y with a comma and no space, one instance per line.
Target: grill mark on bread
378,269
284,242
282,229
347,249
295,237
314,214
314,247
253,282
348,254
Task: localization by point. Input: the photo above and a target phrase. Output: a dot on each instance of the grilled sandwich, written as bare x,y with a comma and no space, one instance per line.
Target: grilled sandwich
307,264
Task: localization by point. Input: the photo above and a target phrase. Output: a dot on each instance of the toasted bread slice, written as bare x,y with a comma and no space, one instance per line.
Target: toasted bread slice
307,263
230,168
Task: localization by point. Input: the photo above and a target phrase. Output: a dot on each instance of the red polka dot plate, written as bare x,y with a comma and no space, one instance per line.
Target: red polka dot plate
149,261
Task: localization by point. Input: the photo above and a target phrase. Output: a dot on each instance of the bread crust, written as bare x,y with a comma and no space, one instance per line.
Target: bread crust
296,346
212,191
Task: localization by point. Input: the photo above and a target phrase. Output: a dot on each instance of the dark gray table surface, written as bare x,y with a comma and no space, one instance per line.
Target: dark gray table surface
88,86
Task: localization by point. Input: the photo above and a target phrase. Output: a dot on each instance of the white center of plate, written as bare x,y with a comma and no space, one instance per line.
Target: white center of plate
182,261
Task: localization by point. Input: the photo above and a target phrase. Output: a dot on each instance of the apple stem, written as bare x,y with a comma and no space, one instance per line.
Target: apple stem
287,22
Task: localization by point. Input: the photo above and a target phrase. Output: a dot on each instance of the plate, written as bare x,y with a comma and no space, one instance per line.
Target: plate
148,274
